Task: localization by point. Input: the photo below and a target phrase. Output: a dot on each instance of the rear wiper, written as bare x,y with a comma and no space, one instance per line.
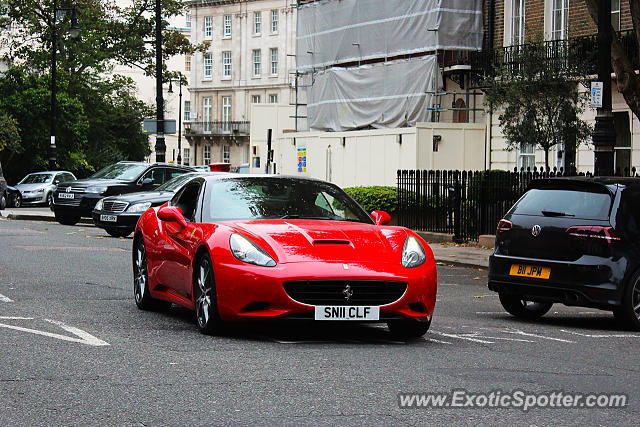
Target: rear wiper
553,213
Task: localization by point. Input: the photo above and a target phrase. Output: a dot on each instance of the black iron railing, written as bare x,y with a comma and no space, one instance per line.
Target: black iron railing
217,128
574,53
466,204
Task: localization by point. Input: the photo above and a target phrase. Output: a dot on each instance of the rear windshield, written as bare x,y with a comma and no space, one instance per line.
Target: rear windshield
557,202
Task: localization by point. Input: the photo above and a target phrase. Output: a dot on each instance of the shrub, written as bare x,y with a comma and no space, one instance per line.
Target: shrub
376,198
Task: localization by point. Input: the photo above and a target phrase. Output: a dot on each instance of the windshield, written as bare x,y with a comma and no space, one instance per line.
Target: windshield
175,183
558,202
37,178
269,198
124,171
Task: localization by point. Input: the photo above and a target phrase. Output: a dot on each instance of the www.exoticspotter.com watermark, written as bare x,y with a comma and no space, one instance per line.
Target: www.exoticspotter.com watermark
518,399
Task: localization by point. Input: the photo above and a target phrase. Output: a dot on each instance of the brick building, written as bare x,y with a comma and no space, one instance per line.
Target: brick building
518,22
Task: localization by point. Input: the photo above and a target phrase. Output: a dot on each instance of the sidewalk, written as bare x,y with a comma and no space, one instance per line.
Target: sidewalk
465,256
447,253
34,214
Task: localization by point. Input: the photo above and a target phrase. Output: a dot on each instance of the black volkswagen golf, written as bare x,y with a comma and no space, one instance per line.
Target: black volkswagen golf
76,199
574,241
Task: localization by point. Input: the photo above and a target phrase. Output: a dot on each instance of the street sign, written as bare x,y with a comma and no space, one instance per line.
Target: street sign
149,126
596,94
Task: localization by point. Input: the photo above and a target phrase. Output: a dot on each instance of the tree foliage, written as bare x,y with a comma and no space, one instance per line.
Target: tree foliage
99,118
538,98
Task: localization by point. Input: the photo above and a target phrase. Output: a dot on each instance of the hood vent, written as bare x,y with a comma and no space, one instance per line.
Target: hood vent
331,242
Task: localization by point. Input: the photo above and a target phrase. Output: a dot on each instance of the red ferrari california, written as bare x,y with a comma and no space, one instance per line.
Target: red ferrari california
239,248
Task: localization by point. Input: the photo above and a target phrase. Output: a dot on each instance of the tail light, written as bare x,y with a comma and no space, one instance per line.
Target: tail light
596,232
503,226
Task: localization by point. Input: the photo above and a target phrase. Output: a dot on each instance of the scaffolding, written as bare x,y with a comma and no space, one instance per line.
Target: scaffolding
467,110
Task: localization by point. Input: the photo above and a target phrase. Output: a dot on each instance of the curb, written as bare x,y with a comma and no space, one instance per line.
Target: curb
27,217
460,264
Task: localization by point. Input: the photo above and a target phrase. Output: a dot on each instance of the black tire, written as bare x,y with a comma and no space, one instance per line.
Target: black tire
67,219
116,232
206,300
408,329
17,200
50,200
523,309
141,293
3,201
629,312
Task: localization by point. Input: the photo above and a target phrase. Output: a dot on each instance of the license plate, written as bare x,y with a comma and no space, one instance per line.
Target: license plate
346,312
535,271
65,195
109,218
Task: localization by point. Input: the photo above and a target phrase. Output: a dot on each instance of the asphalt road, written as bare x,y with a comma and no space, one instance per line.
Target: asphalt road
75,350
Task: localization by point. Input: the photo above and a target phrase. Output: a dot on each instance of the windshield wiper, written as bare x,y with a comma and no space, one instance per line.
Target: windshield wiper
553,213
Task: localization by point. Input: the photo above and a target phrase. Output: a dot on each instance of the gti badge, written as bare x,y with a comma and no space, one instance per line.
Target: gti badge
347,292
535,230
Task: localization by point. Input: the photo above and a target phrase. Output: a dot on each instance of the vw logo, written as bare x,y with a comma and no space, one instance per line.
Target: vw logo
347,292
68,189
535,230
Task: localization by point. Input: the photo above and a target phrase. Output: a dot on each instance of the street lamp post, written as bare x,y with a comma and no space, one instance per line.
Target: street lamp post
161,147
73,32
179,117
604,134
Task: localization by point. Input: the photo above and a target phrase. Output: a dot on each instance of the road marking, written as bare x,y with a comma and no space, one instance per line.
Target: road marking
5,299
601,335
527,334
491,312
69,248
84,337
15,318
462,337
440,341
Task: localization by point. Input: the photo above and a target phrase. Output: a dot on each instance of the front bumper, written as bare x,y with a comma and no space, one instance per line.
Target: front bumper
32,199
81,205
248,293
124,220
588,282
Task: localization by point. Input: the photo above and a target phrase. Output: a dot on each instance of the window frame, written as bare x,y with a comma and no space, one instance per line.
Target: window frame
226,65
206,154
226,153
521,20
256,61
208,27
272,97
561,33
275,23
226,24
257,23
186,109
274,63
207,65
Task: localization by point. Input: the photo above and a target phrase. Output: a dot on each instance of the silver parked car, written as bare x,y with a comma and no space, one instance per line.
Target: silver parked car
37,188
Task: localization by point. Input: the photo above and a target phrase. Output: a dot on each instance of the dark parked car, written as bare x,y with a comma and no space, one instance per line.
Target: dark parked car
574,241
118,215
4,196
76,199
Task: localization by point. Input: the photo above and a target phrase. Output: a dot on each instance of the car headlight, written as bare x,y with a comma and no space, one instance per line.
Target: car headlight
247,251
98,189
139,207
412,253
99,205
39,190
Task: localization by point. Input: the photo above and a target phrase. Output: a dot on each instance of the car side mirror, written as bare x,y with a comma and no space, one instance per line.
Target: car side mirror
381,217
172,214
56,181
147,181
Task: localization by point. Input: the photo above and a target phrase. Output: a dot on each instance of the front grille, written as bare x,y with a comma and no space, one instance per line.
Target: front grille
71,189
114,206
68,202
335,292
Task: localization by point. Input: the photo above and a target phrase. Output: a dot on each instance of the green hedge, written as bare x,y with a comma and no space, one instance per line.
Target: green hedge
375,198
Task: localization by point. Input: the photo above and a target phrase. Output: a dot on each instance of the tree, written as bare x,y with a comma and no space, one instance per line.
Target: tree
628,82
538,98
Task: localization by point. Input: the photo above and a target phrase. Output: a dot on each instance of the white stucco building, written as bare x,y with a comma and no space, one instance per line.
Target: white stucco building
249,60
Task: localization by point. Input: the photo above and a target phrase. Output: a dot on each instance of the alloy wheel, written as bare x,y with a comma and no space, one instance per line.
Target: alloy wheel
140,281
635,298
203,293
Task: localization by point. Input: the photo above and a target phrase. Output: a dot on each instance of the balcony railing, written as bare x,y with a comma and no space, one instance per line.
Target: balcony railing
217,128
571,54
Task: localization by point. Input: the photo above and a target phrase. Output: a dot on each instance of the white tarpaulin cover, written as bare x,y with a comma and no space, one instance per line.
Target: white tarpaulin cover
341,31
382,95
